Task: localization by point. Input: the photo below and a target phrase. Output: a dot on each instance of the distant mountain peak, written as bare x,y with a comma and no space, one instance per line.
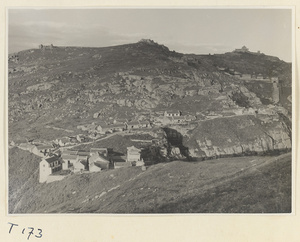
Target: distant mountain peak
153,43
148,41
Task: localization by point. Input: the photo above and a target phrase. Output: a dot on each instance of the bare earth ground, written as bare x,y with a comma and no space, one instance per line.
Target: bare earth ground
230,185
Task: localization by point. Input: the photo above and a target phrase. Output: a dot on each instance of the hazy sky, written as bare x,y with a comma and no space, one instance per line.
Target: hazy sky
199,31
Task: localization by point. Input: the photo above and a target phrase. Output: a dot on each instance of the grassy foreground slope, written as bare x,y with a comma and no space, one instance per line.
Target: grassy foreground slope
23,175
265,190
230,185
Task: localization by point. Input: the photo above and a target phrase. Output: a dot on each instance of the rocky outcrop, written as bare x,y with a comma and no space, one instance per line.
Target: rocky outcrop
237,136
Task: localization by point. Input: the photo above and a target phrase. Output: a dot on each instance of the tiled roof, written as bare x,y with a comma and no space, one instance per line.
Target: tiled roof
82,157
173,111
52,159
83,153
119,158
132,148
69,157
70,152
98,149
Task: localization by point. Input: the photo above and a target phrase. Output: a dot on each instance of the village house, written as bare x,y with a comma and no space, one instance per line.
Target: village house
68,160
145,124
237,74
133,154
69,152
93,165
260,77
80,165
190,118
98,162
132,125
120,162
172,113
83,153
80,160
45,149
102,128
117,127
178,120
246,76
102,151
48,166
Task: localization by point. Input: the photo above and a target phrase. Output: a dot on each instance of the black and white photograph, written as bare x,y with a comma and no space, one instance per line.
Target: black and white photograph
149,110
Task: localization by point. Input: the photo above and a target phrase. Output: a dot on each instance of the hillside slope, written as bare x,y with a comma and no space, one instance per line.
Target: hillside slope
249,184
66,86
195,107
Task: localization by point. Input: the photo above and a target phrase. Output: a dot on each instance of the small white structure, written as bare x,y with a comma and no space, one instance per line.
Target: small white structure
172,113
48,166
97,162
133,154
80,165
132,125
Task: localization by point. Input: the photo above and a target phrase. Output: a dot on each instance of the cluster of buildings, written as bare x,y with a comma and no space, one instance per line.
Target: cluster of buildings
54,167
173,117
115,126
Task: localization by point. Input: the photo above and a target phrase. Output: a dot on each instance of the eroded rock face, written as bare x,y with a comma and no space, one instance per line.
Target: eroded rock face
238,136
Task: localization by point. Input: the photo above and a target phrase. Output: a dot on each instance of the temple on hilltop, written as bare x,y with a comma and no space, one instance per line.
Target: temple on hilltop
46,47
243,49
